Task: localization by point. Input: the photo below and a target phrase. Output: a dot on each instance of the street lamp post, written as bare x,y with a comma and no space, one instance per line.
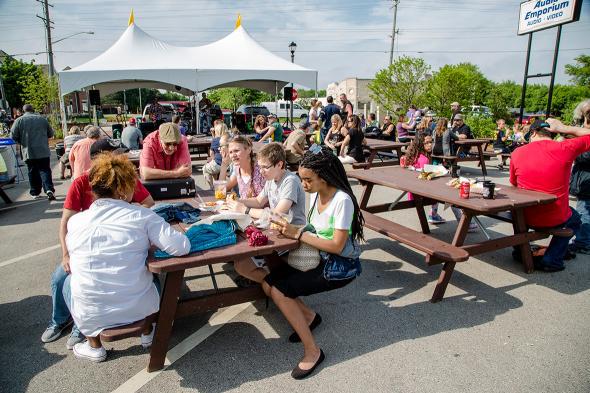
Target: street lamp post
292,47
62,107
71,35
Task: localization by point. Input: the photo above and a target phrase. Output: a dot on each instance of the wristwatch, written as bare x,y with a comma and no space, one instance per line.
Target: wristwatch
247,210
301,230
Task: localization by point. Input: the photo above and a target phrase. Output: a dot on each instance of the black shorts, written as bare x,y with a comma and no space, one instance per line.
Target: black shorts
294,283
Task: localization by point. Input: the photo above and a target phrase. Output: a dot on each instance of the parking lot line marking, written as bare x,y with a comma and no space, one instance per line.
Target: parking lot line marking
215,323
29,255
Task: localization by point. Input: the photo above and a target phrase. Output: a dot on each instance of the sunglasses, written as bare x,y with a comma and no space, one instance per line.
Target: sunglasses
170,144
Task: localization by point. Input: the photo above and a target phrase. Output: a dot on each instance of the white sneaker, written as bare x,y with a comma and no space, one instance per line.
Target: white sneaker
85,351
147,339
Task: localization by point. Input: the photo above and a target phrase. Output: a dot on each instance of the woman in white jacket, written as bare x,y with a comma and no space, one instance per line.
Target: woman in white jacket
108,246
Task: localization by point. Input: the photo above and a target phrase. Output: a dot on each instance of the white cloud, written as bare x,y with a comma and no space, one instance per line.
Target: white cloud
338,38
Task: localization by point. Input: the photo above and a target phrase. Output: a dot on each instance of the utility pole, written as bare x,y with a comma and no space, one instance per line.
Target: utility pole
48,28
393,30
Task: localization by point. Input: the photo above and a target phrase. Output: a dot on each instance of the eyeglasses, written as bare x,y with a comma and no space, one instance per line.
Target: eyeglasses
265,167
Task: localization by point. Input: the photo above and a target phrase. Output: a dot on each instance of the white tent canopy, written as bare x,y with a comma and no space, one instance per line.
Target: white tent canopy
140,60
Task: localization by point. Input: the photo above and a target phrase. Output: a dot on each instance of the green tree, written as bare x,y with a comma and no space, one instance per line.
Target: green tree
147,96
15,73
41,91
462,82
303,93
481,126
401,84
580,72
233,97
501,97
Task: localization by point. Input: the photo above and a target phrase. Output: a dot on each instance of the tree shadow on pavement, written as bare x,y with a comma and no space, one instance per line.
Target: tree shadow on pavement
27,212
365,316
22,357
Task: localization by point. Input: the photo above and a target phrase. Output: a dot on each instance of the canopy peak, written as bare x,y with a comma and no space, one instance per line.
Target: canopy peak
131,18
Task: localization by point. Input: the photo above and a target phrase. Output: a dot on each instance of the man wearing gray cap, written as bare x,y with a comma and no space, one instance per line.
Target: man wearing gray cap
32,132
165,154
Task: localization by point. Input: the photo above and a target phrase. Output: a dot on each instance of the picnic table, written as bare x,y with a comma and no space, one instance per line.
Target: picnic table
376,146
464,153
199,145
508,199
133,156
173,307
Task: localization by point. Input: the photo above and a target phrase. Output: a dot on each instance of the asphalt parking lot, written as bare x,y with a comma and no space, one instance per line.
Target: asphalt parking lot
498,329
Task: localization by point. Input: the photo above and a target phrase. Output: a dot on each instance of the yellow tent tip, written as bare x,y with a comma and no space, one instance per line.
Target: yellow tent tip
238,21
131,18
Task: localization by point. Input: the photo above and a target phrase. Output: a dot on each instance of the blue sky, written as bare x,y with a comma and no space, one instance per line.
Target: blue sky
339,38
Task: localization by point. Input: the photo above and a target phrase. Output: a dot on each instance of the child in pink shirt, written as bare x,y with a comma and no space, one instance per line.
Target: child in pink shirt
418,155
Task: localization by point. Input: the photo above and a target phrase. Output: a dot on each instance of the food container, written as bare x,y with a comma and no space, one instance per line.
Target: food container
220,189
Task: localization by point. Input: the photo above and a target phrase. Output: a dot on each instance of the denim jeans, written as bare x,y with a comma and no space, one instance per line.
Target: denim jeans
558,245
39,176
582,239
60,312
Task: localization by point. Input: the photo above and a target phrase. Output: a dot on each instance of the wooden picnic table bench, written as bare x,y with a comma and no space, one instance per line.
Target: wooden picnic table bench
378,146
436,250
508,199
464,153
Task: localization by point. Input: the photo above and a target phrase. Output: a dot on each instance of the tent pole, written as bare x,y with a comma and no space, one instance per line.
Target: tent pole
316,85
197,101
276,99
62,108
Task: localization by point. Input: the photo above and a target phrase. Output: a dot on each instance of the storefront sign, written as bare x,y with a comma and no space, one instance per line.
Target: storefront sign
537,15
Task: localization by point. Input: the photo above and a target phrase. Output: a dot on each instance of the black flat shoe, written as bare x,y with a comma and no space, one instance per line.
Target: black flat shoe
548,269
294,337
298,373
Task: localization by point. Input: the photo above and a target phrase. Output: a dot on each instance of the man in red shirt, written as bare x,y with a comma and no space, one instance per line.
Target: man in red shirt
78,198
545,165
165,154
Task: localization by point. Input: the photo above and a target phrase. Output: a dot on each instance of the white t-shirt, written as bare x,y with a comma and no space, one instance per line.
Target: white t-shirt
337,215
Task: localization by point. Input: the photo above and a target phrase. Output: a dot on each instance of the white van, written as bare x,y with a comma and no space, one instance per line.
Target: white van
282,109
167,112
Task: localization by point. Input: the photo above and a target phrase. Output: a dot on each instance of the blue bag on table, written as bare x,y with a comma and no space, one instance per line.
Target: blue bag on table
180,211
207,236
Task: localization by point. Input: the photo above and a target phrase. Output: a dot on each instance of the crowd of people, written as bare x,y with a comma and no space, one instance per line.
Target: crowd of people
107,226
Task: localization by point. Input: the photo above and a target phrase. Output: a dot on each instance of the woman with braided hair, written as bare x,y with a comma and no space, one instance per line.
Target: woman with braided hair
337,221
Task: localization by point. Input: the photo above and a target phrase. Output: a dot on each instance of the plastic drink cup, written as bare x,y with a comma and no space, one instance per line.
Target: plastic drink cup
488,190
220,189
